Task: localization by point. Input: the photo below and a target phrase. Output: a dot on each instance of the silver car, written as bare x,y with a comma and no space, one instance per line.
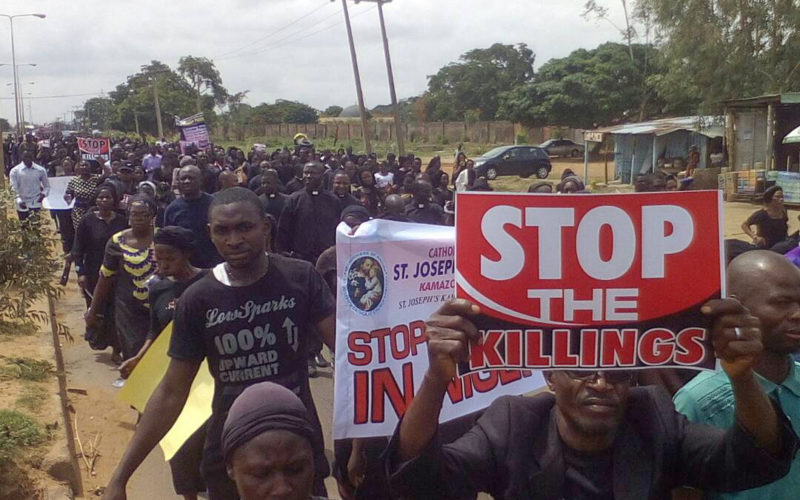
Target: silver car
563,147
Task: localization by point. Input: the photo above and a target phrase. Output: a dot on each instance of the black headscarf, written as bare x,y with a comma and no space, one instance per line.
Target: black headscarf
260,408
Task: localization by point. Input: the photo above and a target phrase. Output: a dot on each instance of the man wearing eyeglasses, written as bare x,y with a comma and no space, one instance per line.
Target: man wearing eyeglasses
596,436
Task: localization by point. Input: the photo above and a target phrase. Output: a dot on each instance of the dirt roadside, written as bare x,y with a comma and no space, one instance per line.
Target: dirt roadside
28,385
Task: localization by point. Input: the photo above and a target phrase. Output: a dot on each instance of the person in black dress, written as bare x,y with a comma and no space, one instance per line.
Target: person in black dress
173,247
95,229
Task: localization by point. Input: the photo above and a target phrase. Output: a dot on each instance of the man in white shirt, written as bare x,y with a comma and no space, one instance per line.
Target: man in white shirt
30,184
151,162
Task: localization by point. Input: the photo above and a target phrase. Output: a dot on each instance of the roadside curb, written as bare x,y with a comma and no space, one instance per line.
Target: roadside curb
64,465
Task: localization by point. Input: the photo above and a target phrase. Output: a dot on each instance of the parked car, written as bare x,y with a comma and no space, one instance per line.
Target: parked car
523,161
562,147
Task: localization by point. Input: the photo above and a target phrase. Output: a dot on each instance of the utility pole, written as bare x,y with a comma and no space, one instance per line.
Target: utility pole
158,109
17,96
359,93
20,125
2,160
398,125
136,122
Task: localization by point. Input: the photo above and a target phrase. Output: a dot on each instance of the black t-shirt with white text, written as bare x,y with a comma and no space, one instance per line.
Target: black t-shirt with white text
252,334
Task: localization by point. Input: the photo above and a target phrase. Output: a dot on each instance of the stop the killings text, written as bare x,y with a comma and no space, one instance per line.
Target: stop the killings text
600,281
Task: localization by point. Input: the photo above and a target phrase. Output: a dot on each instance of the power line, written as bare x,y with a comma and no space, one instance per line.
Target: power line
269,35
278,43
96,94
286,41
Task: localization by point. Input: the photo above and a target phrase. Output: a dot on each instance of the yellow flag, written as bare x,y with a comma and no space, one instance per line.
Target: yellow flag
148,374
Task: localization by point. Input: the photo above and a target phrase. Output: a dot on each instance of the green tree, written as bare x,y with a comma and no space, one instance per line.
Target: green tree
332,111
296,112
134,99
585,89
476,81
4,125
204,79
723,49
99,112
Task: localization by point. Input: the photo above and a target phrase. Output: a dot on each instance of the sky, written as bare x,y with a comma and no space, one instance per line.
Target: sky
275,49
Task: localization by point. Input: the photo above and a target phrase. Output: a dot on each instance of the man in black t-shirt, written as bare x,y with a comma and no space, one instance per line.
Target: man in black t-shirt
250,317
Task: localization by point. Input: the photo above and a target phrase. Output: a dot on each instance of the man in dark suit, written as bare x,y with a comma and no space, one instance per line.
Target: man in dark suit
595,437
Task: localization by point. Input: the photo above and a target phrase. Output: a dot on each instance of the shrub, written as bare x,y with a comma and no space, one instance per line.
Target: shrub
27,264
26,369
17,430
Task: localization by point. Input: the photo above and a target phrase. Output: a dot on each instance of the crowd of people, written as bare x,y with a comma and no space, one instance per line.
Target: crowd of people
233,247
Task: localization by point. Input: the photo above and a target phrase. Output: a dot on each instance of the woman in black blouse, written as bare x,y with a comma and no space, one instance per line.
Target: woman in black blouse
771,222
93,232
173,248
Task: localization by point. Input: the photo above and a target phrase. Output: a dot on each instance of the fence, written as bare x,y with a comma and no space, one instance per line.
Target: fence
493,132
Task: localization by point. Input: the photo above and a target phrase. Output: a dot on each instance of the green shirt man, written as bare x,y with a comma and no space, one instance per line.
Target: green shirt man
708,398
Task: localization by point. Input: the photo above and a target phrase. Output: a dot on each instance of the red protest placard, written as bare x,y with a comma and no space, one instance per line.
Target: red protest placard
590,281
92,147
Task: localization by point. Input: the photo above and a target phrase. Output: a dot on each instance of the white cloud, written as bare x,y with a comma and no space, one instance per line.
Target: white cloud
89,46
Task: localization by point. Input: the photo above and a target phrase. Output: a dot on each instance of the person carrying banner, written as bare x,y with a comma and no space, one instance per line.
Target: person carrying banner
173,247
595,436
83,189
283,299
768,285
29,182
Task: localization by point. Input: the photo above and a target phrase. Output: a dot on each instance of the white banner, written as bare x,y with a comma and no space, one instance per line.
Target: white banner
391,277
55,200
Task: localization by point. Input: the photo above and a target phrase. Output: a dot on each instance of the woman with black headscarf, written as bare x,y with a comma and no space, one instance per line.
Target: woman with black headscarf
173,247
267,445
128,265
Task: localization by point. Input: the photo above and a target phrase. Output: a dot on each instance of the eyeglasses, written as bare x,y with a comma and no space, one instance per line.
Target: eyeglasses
611,376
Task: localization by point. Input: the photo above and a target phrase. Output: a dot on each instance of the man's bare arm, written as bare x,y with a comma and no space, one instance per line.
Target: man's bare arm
162,411
327,330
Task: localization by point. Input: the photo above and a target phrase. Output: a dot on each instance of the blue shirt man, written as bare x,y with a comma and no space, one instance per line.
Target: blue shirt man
768,285
191,211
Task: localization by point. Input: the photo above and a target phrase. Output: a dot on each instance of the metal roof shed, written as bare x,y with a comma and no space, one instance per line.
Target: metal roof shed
638,146
755,130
